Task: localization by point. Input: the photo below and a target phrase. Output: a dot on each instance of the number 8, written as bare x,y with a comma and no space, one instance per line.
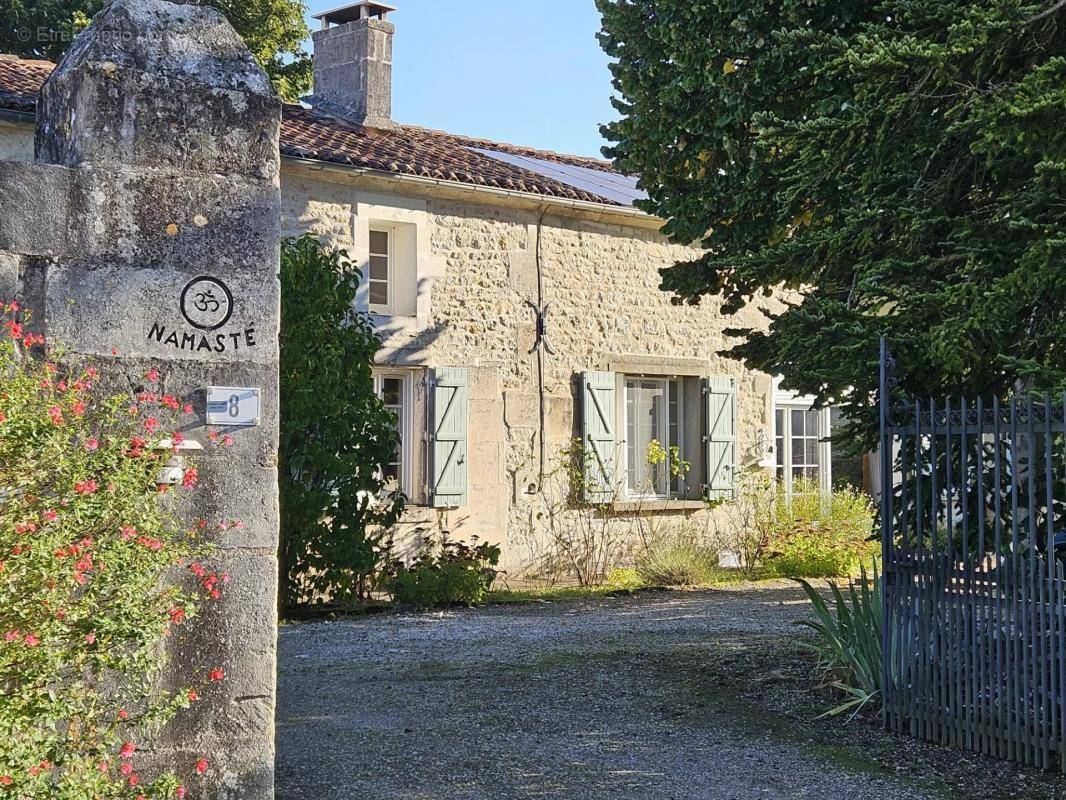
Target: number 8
234,405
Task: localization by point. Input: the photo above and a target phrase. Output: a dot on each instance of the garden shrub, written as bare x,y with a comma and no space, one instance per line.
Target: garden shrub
452,573
88,550
817,534
336,507
676,560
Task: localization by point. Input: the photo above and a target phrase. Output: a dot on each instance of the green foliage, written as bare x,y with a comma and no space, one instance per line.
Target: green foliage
452,573
818,535
677,560
89,550
274,31
335,506
901,163
848,645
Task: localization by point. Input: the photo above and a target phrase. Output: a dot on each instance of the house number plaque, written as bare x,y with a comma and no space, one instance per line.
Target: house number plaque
232,405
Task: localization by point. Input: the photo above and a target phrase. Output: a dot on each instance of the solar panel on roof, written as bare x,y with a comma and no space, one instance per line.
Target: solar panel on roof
609,185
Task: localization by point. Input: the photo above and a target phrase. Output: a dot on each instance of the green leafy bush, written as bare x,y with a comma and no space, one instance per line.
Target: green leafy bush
819,535
88,549
849,646
674,560
452,573
336,507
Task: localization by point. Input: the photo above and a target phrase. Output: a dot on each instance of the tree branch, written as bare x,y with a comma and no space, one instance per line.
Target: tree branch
1046,12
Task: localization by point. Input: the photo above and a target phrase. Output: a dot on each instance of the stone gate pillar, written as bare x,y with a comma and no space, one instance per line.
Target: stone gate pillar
147,233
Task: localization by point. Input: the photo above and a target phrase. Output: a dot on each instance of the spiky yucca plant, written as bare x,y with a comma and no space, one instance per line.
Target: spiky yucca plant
848,646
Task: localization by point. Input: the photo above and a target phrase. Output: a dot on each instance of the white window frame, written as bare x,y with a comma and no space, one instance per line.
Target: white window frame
390,259
405,420
663,425
787,403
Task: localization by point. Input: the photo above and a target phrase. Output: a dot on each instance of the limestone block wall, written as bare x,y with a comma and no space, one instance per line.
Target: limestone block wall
607,312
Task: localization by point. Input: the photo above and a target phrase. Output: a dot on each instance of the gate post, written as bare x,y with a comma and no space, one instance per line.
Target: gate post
146,234
886,485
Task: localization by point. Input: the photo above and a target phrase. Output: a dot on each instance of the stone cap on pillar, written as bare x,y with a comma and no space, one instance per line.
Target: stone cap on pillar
162,79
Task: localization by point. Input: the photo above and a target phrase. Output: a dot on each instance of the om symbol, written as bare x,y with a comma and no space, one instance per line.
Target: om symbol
206,303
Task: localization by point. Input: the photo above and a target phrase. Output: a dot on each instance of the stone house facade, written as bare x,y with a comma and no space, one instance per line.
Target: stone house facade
464,243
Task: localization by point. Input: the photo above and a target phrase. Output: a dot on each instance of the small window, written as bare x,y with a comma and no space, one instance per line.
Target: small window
653,423
393,389
379,278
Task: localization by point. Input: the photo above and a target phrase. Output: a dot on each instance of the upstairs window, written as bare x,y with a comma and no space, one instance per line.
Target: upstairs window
379,274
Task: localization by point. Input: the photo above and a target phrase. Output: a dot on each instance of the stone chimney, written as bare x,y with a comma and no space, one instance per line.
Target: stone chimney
353,64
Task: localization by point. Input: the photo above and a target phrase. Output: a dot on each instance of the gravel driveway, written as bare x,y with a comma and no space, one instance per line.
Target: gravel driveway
580,700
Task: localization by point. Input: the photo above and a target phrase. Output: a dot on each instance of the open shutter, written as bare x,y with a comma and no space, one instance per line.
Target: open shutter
598,435
448,439
720,440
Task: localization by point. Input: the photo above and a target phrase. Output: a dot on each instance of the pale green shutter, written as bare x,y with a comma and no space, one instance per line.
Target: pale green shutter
598,435
448,444
720,440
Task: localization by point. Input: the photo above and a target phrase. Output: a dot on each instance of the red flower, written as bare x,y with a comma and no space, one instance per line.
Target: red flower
177,615
193,696
201,766
170,401
78,408
137,445
134,779
187,408
152,375
180,792
227,440
126,768
217,674
86,487
92,444
12,636
31,640
127,532
123,714
128,749
90,638
102,766
151,424
14,329
55,413
51,515
190,478
177,438
5,780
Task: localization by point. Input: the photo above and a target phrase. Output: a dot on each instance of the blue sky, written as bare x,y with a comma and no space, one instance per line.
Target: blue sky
529,73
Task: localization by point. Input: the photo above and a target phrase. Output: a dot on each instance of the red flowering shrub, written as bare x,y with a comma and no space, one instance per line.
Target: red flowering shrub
87,547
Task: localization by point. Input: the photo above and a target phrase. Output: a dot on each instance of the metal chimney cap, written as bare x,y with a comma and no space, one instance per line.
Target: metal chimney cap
365,9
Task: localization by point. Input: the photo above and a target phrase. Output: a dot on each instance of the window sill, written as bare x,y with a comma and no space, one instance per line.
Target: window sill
624,506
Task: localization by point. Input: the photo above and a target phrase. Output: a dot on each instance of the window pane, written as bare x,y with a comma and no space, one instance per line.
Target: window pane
647,419
379,293
812,450
379,242
379,268
798,418
390,391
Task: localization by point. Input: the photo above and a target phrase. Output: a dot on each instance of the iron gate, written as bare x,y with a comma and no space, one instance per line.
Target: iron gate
972,510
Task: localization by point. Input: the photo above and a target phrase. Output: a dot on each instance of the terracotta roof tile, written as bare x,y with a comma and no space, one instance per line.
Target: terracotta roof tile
407,150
